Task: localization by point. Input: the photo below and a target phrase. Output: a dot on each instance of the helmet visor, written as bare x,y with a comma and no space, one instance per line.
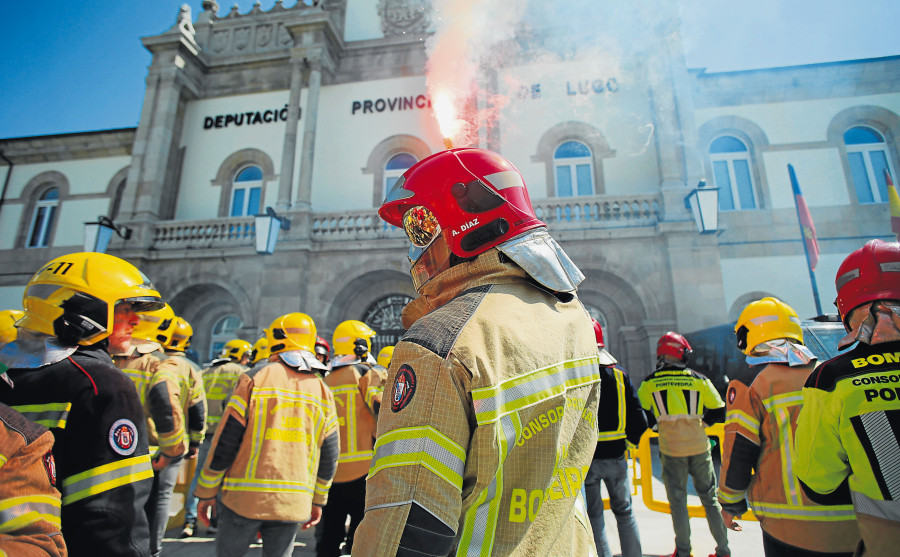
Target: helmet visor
425,263
421,226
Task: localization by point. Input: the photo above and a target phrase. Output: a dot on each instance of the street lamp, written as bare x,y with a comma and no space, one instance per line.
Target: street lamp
267,227
703,201
98,234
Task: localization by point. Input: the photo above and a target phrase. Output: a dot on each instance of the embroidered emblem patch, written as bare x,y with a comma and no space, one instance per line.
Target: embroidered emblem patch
50,467
404,388
732,393
123,437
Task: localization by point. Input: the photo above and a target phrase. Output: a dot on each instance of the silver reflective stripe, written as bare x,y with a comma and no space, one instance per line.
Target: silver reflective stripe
888,510
886,449
660,405
800,512
14,512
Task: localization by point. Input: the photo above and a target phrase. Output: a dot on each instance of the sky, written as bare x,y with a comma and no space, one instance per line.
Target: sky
80,66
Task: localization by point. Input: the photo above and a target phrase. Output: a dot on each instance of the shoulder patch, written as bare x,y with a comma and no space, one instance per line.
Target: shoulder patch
50,467
123,437
439,330
732,394
404,388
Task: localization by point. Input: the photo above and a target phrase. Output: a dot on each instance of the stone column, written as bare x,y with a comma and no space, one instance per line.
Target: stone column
304,192
286,179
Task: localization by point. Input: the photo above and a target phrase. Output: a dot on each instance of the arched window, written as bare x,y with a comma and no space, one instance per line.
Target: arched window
573,167
383,316
395,167
246,193
42,219
731,169
223,331
867,154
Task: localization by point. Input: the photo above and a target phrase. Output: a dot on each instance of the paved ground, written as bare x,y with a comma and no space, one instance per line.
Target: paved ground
657,538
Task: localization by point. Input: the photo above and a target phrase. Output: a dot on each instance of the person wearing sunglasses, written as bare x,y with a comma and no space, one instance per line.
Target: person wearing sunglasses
490,423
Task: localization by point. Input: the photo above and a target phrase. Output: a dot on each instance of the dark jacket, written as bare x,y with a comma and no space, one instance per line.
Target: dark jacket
612,433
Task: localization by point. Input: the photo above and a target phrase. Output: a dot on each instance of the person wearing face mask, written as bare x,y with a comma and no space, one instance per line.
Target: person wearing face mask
848,431
490,424
78,308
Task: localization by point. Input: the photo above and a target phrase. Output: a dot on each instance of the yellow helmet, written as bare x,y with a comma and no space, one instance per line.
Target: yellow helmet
236,349
384,357
8,331
352,338
294,331
181,335
156,326
260,350
73,297
765,320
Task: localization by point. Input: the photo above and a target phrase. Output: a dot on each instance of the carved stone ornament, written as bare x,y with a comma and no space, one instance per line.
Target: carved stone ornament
242,38
400,17
220,40
263,35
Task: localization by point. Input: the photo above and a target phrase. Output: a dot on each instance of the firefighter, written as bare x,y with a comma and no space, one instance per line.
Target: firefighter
620,420
682,402
30,503
384,357
8,318
260,355
219,381
276,448
65,380
492,417
847,431
177,404
323,350
761,418
357,386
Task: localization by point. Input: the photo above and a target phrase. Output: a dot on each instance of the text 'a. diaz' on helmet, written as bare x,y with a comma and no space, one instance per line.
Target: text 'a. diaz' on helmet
73,297
766,320
156,326
293,337
674,346
8,330
182,334
235,349
352,338
870,273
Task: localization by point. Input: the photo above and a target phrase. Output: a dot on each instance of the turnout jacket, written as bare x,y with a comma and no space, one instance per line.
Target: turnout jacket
100,449
484,443
177,404
139,364
357,390
679,397
847,436
29,501
219,381
619,415
275,451
757,464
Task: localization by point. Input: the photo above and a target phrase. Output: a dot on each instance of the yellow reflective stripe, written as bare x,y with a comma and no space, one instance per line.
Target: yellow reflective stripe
619,432
804,512
3,460
106,477
494,402
785,399
210,480
268,486
371,393
53,414
321,488
356,457
237,404
743,419
730,495
173,439
345,396
786,440
421,446
18,512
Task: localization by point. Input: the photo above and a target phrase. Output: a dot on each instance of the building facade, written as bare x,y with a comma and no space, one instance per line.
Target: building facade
314,109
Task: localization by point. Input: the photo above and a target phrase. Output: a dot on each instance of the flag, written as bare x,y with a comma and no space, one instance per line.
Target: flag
894,201
811,244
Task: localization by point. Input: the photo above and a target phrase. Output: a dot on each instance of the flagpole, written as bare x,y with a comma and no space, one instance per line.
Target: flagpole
812,274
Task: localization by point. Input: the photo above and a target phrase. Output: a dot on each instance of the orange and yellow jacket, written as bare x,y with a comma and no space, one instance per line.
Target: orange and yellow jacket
29,502
177,403
757,464
275,451
219,381
357,392
139,363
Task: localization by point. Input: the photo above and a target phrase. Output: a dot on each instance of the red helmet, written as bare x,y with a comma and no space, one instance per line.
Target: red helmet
870,273
477,198
322,346
598,333
674,345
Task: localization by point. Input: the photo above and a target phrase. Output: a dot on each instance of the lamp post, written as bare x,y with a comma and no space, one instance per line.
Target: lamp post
267,227
98,234
703,201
